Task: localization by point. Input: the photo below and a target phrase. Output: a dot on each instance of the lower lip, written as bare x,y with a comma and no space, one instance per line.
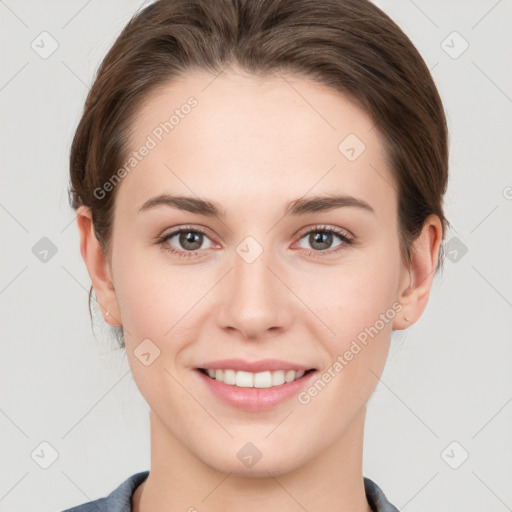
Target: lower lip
255,399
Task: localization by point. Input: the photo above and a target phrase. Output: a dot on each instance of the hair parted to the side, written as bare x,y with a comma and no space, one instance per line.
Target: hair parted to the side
349,45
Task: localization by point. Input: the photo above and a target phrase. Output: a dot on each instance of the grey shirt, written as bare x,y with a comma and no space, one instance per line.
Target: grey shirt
120,499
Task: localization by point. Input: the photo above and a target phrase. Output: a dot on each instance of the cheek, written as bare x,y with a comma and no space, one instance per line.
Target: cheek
140,304
148,291
354,295
359,307
361,318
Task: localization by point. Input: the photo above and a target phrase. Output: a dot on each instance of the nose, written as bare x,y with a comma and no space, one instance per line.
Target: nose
255,300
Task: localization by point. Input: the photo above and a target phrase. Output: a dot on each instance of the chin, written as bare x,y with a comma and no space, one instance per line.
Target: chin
240,463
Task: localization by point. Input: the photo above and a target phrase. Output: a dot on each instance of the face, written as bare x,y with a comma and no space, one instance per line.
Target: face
268,278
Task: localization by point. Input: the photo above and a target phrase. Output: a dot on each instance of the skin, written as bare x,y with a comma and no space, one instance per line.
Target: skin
253,145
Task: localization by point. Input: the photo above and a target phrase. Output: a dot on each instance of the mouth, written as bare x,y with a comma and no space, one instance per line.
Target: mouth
261,380
255,392
254,385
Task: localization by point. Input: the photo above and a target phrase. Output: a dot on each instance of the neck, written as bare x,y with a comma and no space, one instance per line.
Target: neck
179,480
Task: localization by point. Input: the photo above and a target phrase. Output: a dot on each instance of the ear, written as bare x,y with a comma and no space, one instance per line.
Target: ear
98,267
416,281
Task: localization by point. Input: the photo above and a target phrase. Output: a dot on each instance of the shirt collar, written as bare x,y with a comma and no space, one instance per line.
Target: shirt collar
120,499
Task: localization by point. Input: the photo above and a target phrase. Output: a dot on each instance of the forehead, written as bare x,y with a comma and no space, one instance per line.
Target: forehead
236,136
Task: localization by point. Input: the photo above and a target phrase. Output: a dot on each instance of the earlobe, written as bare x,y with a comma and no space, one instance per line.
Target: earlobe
98,267
424,260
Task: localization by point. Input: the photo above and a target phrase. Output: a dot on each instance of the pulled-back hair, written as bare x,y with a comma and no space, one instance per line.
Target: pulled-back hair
349,45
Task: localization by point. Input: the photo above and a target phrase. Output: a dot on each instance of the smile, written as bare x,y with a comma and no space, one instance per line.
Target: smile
264,379
255,392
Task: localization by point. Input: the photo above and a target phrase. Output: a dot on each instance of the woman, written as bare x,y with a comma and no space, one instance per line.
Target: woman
258,188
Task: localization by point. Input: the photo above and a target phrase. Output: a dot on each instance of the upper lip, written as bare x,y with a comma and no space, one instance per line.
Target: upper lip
253,366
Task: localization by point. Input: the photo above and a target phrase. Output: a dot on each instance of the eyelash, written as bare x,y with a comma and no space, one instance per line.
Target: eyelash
344,237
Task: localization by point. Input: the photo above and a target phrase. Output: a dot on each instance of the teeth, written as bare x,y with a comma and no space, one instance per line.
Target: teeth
265,379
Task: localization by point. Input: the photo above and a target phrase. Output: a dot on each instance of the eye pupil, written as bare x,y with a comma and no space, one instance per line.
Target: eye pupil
191,237
323,238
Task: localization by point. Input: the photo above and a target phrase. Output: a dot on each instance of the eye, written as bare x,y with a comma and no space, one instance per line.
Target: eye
321,239
189,239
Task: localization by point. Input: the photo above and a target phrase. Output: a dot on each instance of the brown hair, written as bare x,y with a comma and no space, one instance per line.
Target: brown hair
349,45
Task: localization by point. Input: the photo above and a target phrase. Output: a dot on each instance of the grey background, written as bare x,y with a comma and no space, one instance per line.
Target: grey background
448,377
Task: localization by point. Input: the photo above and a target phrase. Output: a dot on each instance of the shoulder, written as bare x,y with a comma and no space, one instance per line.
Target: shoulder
376,497
119,500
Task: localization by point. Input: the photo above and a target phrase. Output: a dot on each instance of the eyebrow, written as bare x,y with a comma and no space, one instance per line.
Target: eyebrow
296,207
